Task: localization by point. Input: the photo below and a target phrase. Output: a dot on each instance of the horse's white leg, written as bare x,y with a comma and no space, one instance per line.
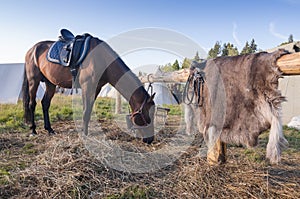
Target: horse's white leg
188,118
88,87
216,149
88,103
276,140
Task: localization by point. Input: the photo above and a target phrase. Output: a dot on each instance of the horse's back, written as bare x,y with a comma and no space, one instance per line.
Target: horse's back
57,74
38,49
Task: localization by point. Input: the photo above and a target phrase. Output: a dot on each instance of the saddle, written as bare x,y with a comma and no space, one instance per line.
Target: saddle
69,51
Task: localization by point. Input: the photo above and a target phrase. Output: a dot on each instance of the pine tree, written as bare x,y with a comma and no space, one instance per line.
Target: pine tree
197,58
229,50
175,65
215,51
291,39
225,49
248,49
253,46
186,63
233,51
167,68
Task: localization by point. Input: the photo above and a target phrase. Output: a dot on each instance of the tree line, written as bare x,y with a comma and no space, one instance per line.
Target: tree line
227,49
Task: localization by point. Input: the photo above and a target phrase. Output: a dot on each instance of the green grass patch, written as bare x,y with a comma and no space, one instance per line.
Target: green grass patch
62,108
11,117
174,109
4,172
29,149
254,155
293,137
133,192
4,177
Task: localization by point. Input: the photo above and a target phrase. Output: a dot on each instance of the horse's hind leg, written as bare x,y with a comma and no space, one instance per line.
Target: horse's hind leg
216,153
49,93
32,105
33,83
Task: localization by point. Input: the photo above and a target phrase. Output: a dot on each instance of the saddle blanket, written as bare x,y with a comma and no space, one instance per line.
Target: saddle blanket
69,51
55,51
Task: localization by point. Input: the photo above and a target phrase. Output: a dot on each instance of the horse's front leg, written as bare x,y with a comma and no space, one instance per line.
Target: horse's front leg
188,118
88,98
49,93
88,103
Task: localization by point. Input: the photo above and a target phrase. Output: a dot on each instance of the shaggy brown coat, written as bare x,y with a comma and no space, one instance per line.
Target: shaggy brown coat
239,101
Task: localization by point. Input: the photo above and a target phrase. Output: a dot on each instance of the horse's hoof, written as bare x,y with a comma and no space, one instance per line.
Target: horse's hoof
32,134
51,132
148,140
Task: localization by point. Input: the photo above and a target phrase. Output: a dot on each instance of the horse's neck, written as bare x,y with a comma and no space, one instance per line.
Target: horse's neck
119,75
127,84
133,91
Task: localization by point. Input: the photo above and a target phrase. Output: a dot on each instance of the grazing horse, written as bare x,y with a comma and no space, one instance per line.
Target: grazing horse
102,65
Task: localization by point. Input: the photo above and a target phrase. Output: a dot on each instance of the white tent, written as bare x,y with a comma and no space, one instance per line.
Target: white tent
163,94
11,79
295,122
105,90
109,91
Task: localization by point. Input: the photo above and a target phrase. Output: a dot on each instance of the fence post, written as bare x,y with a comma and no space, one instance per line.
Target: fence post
118,103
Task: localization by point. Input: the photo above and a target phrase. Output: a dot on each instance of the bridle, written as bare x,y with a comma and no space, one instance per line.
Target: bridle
139,112
196,79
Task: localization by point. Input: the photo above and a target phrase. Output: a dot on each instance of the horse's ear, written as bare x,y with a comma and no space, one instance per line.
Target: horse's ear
151,97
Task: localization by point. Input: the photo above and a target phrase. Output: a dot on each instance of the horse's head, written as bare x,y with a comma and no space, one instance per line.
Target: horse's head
143,119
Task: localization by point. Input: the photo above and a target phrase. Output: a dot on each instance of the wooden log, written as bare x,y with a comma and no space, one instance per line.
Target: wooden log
168,77
289,64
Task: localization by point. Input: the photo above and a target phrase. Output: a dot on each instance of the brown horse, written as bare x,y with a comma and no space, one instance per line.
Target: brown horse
102,65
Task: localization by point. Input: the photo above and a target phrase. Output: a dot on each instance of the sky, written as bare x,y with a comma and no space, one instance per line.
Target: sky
26,22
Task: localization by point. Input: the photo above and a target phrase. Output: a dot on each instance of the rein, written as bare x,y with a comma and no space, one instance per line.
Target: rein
197,80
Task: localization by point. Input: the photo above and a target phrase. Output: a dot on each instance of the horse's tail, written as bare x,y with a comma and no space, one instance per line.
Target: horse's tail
277,142
25,96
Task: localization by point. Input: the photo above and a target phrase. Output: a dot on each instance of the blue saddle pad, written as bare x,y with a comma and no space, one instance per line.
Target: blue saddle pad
54,53
69,51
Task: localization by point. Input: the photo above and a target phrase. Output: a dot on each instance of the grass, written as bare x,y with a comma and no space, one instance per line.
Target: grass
4,177
11,115
133,192
254,155
175,109
61,167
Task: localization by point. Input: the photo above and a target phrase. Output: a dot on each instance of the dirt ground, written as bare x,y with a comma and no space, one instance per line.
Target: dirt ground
60,166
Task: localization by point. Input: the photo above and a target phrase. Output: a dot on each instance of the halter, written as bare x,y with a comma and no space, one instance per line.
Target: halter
140,111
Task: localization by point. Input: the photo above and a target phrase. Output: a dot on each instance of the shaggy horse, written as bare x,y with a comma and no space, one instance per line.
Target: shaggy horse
237,100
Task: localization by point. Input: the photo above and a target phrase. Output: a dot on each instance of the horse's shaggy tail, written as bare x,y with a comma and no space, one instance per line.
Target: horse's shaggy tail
25,96
276,140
